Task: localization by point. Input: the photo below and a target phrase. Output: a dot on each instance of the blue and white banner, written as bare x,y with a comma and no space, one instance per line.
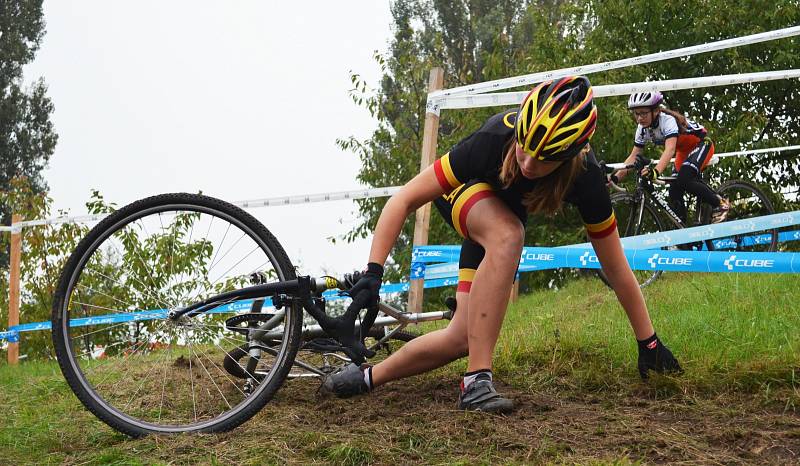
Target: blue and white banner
723,232
641,252
12,335
707,232
639,259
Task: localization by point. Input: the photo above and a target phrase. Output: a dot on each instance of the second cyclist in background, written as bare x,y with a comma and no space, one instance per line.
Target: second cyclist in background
682,138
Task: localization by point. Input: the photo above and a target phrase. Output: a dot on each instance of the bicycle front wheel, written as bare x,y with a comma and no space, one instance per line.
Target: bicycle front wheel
747,201
130,365
635,218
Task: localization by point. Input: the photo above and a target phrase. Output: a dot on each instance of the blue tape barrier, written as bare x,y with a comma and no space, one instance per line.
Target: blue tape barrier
783,237
449,253
706,232
12,334
534,259
639,252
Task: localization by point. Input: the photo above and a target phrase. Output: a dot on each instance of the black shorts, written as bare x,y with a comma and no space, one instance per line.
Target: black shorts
454,208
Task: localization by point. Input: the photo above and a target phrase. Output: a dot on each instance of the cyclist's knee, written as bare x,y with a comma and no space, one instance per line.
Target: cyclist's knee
506,239
459,344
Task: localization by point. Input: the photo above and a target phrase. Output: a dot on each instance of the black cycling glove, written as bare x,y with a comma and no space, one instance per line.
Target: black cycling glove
371,282
654,355
652,174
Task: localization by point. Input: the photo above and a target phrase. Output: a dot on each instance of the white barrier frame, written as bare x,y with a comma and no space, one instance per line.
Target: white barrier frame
610,90
506,83
317,197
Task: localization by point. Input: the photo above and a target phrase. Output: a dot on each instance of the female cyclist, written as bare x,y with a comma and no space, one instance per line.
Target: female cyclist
682,138
522,160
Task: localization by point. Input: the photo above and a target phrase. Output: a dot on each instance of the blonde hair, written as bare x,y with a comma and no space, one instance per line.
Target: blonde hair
548,195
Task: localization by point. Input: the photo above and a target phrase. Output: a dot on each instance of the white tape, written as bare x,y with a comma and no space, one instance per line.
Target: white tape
322,197
528,79
514,98
267,202
725,154
306,198
63,219
757,151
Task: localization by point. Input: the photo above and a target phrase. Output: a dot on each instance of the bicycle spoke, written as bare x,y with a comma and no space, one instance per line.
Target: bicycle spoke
213,381
156,255
237,263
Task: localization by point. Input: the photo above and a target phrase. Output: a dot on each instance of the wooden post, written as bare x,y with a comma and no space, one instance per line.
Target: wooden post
423,215
13,287
514,291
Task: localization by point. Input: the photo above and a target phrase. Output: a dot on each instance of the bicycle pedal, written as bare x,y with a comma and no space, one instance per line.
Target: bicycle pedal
451,304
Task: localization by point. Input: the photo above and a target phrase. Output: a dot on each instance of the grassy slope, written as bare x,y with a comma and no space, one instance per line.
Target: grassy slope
567,352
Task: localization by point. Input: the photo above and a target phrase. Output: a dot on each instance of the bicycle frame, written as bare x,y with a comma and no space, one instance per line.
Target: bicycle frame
305,291
645,191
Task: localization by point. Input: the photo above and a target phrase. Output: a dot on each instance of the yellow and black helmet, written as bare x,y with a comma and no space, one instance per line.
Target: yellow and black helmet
557,119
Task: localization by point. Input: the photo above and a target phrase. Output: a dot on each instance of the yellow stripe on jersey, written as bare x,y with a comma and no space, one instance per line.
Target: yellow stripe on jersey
466,275
464,201
445,172
602,229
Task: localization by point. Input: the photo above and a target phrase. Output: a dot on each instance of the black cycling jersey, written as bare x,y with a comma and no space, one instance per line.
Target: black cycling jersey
479,157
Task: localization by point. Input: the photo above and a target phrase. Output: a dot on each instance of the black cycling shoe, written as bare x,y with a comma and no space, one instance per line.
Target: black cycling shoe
481,396
348,382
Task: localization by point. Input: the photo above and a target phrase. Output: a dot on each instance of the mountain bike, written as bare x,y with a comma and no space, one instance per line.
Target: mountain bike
183,313
646,210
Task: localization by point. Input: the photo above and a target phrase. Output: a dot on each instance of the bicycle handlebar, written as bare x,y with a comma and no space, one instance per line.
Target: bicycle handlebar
320,284
640,163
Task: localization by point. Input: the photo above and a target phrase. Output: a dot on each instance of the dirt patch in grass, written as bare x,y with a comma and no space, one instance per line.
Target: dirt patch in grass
414,421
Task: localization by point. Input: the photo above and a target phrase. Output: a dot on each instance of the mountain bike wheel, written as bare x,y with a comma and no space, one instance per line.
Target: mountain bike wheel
130,365
635,218
747,201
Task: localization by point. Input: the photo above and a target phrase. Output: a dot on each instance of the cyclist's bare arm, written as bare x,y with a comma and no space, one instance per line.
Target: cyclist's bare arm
669,152
422,189
619,274
631,158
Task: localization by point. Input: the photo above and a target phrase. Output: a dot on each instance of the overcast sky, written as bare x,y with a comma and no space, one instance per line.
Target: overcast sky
242,100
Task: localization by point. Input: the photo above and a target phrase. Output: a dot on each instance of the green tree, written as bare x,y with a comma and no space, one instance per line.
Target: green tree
470,40
476,41
749,116
137,271
27,136
44,251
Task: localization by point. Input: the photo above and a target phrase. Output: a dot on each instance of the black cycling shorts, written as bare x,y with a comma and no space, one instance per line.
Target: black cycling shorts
454,207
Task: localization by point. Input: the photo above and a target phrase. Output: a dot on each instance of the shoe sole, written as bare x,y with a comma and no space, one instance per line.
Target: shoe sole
503,409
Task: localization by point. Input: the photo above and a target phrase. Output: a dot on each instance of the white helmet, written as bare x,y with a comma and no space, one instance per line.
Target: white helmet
645,99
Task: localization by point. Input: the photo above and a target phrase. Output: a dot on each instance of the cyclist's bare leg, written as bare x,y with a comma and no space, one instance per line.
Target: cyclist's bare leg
429,351
495,227
501,234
